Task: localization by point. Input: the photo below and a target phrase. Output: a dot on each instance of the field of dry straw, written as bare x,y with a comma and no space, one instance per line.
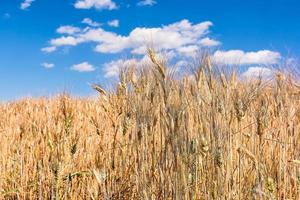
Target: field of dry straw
157,136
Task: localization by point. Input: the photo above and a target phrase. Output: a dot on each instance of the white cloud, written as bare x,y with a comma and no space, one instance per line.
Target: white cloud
181,63
169,37
257,72
98,4
48,65
113,23
26,4
112,69
49,49
146,3
65,41
209,42
70,30
188,51
238,57
181,39
83,67
90,22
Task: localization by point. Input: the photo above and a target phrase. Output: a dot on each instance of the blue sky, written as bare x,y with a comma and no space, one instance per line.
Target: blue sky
258,32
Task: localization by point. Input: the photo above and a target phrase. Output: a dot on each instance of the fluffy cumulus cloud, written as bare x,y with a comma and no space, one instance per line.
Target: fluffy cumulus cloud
182,40
188,51
146,3
48,65
26,4
98,4
114,23
113,68
90,22
258,72
209,42
176,36
83,67
238,57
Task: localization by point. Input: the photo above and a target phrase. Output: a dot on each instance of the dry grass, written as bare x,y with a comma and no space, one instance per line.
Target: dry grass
209,136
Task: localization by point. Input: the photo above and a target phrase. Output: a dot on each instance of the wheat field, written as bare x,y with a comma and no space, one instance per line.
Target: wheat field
208,135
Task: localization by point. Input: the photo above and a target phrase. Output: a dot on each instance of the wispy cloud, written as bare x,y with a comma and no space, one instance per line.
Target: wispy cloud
48,65
83,67
114,23
98,4
146,3
90,22
26,4
6,15
49,49
68,30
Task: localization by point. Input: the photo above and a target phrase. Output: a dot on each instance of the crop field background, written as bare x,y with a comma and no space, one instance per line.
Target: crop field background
208,135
